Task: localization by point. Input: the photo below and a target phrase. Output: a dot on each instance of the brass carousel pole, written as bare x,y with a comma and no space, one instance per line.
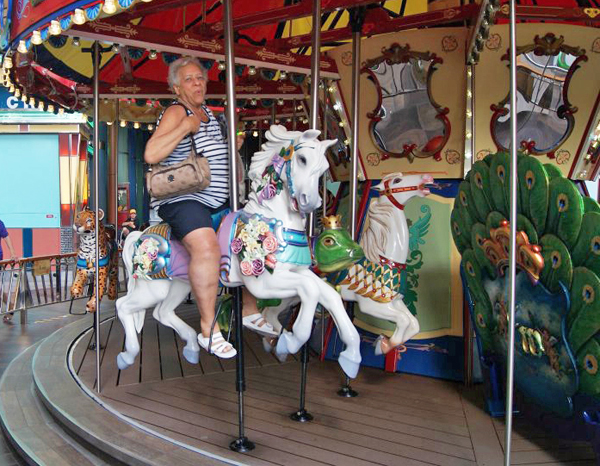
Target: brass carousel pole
241,444
357,17
302,415
96,58
510,364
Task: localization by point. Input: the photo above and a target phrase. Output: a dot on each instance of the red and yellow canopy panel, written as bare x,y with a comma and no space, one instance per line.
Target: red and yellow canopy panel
139,38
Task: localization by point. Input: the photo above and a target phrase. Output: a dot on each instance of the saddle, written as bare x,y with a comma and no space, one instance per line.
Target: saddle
156,256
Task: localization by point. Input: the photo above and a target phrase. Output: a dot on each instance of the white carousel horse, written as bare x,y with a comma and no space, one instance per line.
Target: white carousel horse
264,246
268,236
374,281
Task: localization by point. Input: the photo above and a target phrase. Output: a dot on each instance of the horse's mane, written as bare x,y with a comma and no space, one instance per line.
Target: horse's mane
277,137
379,221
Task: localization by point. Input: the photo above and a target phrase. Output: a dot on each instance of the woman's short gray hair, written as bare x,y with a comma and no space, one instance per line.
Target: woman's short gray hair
173,77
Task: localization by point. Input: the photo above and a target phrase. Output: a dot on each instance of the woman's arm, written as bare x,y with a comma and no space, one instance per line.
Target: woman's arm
174,126
13,255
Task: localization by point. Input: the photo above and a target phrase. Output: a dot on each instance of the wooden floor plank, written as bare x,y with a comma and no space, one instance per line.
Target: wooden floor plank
255,345
149,354
206,437
289,403
324,427
376,400
88,368
110,371
294,441
319,394
169,354
488,451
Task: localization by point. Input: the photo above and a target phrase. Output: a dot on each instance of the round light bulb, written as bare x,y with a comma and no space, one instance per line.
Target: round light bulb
221,66
79,16
115,48
282,75
36,38
54,28
76,42
51,108
253,102
255,134
150,127
61,110
123,123
22,48
279,101
252,71
8,64
136,125
152,55
110,7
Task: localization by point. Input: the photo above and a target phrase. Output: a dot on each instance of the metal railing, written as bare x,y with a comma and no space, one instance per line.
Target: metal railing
42,280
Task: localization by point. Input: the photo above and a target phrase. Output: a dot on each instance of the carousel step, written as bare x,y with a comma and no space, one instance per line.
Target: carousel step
30,428
91,421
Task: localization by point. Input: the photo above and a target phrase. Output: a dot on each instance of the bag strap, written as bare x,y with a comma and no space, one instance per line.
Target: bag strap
193,151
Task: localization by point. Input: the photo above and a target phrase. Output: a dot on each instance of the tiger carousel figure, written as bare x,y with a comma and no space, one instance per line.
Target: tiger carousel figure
85,227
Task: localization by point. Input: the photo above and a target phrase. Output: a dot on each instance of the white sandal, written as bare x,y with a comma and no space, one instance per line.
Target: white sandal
220,347
257,323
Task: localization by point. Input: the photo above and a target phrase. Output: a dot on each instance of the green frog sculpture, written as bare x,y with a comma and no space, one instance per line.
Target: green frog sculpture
557,317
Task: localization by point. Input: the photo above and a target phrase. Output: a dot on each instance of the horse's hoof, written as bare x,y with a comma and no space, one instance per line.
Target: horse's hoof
121,362
191,356
268,344
377,345
281,350
349,367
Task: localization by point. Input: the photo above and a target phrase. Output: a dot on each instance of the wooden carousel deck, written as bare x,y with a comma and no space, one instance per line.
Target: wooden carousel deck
398,419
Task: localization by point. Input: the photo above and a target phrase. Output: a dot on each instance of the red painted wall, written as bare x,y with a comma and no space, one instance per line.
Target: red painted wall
46,241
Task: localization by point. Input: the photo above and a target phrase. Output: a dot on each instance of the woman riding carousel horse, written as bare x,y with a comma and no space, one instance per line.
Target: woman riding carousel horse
189,216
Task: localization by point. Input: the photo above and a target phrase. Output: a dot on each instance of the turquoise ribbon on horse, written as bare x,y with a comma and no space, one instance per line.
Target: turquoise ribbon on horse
297,250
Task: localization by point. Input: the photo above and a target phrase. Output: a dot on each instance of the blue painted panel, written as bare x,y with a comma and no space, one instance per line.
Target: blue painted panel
441,357
29,180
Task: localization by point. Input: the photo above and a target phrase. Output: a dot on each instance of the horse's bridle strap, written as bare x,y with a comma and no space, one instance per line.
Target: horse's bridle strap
390,263
389,192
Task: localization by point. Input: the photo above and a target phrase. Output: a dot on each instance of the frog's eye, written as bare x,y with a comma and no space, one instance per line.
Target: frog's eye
328,241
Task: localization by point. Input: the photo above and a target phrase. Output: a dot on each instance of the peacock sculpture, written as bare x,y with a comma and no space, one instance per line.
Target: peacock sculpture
557,339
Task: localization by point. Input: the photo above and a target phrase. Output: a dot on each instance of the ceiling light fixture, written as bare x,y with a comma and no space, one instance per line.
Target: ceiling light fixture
79,16
110,7
54,28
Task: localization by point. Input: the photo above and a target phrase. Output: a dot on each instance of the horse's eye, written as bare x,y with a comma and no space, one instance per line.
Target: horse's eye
302,160
397,180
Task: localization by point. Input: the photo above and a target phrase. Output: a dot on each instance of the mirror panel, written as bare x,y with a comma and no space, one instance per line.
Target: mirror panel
407,122
544,115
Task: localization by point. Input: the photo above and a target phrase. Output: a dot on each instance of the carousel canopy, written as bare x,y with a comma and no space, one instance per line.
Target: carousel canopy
47,43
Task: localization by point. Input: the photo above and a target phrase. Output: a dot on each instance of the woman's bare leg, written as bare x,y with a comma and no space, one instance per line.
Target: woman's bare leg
204,253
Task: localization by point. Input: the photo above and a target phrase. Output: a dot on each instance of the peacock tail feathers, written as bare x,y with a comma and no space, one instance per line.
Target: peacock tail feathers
554,216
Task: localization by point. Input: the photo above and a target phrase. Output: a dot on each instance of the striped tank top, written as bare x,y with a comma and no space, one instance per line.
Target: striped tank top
211,144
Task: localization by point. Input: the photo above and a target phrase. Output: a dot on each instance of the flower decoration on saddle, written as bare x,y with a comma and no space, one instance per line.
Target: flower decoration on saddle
256,245
143,259
271,183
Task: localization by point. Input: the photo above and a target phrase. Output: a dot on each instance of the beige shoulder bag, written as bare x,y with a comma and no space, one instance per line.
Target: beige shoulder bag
186,177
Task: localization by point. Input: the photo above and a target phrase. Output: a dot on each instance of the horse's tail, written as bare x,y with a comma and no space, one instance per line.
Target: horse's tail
128,249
